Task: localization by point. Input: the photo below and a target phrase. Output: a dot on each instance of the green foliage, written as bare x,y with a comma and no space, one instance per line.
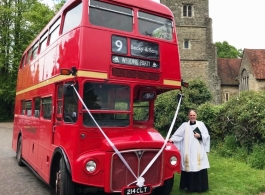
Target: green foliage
166,104
224,50
257,157
209,114
58,6
228,147
141,110
237,127
20,22
241,117
246,118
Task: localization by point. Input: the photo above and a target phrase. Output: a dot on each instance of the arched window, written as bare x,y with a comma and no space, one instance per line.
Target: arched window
244,85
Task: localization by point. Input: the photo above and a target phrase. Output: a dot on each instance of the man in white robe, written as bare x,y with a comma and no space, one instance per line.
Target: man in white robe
193,141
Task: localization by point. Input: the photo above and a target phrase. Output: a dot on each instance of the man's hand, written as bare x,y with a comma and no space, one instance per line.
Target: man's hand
197,135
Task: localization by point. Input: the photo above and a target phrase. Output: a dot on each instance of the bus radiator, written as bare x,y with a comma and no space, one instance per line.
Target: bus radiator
138,161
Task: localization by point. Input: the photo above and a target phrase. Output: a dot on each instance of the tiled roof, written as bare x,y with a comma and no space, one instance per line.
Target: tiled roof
228,69
257,60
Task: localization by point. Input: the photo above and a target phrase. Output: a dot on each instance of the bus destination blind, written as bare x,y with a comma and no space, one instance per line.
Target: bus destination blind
135,62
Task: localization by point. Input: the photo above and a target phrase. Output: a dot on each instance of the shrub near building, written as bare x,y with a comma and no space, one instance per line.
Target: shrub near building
237,127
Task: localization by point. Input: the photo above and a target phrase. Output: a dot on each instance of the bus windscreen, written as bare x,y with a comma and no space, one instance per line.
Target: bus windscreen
155,26
110,16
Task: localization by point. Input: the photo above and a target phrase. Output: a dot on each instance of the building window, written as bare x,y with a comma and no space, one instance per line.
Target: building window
244,81
226,96
186,44
187,10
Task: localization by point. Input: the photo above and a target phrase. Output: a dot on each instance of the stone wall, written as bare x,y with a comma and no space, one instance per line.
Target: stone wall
200,60
231,90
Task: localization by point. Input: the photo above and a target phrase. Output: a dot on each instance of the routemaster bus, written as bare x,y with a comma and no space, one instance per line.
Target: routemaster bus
85,96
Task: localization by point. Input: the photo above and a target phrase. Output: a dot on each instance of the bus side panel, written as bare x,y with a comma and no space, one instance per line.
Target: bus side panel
69,49
32,133
170,61
93,49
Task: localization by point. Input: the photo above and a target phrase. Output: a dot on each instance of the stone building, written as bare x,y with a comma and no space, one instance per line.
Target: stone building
197,51
228,69
251,74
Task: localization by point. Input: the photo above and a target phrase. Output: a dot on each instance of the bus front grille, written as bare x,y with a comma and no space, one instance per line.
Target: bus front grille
119,72
138,161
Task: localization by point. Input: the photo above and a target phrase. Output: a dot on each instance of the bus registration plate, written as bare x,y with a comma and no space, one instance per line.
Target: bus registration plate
136,190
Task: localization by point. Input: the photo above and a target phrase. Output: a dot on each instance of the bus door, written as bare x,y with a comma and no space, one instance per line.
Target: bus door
58,113
65,113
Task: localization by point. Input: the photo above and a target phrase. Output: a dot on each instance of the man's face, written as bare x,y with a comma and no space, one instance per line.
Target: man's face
192,116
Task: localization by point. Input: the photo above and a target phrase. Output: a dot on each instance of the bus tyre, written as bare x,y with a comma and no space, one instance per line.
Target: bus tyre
166,188
64,183
19,152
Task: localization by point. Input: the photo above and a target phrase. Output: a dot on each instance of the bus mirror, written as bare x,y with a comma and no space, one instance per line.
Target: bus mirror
68,90
184,84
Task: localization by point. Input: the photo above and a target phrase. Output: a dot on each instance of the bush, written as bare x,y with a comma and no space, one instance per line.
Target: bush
257,157
228,147
166,104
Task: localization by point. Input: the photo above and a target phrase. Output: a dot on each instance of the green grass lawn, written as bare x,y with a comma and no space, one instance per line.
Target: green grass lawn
229,177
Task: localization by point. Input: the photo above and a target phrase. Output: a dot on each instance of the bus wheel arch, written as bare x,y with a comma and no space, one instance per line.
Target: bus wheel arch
19,150
64,183
60,163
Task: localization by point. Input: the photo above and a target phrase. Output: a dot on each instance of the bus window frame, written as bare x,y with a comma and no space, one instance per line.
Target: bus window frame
66,11
35,50
23,61
28,102
29,56
44,38
52,30
42,107
34,107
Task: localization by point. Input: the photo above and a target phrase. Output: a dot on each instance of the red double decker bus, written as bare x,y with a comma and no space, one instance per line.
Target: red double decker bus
84,110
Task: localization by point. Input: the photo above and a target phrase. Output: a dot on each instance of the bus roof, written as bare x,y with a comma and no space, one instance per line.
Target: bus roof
145,4
148,5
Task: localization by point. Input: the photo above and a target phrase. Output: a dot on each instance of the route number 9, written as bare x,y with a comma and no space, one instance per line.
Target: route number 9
119,44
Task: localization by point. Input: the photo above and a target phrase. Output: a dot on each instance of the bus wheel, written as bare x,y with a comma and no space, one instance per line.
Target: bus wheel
166,188
19,152
64,184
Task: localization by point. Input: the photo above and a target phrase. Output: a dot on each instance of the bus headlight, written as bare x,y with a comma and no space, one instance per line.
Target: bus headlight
91,166
173,160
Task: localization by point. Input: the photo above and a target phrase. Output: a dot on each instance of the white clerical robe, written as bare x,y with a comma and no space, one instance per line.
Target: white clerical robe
193,151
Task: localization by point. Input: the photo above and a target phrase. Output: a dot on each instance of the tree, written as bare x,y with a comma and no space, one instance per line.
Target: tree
21,21
224,50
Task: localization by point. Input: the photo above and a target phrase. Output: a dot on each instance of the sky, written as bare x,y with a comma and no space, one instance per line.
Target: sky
239,22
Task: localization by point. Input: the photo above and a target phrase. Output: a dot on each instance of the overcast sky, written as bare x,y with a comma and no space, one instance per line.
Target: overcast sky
239,22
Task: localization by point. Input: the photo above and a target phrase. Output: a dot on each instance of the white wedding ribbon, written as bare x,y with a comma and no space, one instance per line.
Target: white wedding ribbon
166,140
139,180
106,137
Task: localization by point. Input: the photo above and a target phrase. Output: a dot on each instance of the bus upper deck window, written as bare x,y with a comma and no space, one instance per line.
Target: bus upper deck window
110,16
155,26
72,18
43,41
